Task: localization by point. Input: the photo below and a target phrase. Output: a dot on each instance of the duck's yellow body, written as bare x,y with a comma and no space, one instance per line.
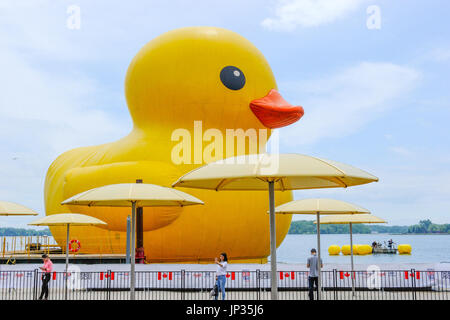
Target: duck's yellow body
172,82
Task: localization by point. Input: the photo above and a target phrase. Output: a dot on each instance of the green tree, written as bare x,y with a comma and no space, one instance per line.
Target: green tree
11,232
425,225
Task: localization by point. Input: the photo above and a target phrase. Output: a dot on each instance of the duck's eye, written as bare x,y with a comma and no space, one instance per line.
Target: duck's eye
232,78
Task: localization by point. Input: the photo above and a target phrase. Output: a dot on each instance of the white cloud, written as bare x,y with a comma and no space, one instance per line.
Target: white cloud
402,151
44,102
440,54
291,14
342,103
41,116
46,108
404,194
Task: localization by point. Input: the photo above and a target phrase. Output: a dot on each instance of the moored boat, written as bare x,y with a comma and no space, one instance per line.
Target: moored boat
384,250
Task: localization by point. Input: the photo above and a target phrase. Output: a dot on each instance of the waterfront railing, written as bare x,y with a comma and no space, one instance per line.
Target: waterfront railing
240,285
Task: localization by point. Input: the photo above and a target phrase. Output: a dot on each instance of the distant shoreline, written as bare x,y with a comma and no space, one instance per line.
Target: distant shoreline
418,234
424,227
380,233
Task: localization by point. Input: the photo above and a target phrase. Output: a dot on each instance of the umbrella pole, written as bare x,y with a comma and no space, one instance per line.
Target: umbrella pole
319,277
127,259
67,257
273,245
133,250
351,253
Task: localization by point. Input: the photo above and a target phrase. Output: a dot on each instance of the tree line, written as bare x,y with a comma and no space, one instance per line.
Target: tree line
424,227
13,232
301,227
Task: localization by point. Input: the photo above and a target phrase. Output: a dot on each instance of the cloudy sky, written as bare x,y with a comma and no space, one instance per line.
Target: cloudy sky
373,77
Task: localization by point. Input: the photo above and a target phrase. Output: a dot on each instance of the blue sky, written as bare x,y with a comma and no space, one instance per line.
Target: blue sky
374,98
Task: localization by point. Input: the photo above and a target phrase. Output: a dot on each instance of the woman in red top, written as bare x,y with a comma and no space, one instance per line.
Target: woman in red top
47,269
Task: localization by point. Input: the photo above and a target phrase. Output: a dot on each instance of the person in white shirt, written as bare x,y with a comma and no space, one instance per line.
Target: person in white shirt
221,273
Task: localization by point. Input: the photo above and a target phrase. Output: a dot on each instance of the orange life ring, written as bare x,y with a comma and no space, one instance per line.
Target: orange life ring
74,248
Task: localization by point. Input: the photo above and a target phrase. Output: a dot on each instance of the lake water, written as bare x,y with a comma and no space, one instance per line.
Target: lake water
425,248
295,249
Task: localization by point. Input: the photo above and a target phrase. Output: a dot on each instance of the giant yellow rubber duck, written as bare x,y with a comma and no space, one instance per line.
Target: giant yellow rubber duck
188,80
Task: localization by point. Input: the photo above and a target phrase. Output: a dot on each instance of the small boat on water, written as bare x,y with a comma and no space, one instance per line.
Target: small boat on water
387,248
384,250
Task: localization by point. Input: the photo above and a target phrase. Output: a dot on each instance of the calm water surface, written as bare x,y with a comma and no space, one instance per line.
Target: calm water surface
425,248
296,248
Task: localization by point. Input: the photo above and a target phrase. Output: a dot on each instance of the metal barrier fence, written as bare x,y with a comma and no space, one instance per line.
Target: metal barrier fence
240,285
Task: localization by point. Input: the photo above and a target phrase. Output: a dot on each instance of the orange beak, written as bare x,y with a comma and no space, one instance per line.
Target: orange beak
275,112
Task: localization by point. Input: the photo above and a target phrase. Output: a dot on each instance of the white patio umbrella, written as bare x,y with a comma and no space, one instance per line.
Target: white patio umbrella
67,219
273,172
318,207
350,220
14,209
133,195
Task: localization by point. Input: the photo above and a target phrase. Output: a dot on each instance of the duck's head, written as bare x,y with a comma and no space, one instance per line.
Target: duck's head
208,74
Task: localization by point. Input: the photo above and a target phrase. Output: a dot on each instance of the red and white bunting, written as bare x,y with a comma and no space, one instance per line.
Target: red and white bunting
284,274
165,275
232,275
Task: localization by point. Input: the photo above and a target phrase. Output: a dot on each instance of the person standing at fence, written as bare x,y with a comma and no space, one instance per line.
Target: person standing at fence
313,265
47,269
221,274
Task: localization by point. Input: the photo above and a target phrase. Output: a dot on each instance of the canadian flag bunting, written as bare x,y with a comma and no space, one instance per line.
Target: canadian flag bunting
287,275
342,275
106,275
412,275
165,275
233,276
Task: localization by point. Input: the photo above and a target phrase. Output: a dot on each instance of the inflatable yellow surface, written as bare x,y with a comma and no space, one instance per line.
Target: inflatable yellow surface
334,250
185,88
346,249
404,249
363,249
